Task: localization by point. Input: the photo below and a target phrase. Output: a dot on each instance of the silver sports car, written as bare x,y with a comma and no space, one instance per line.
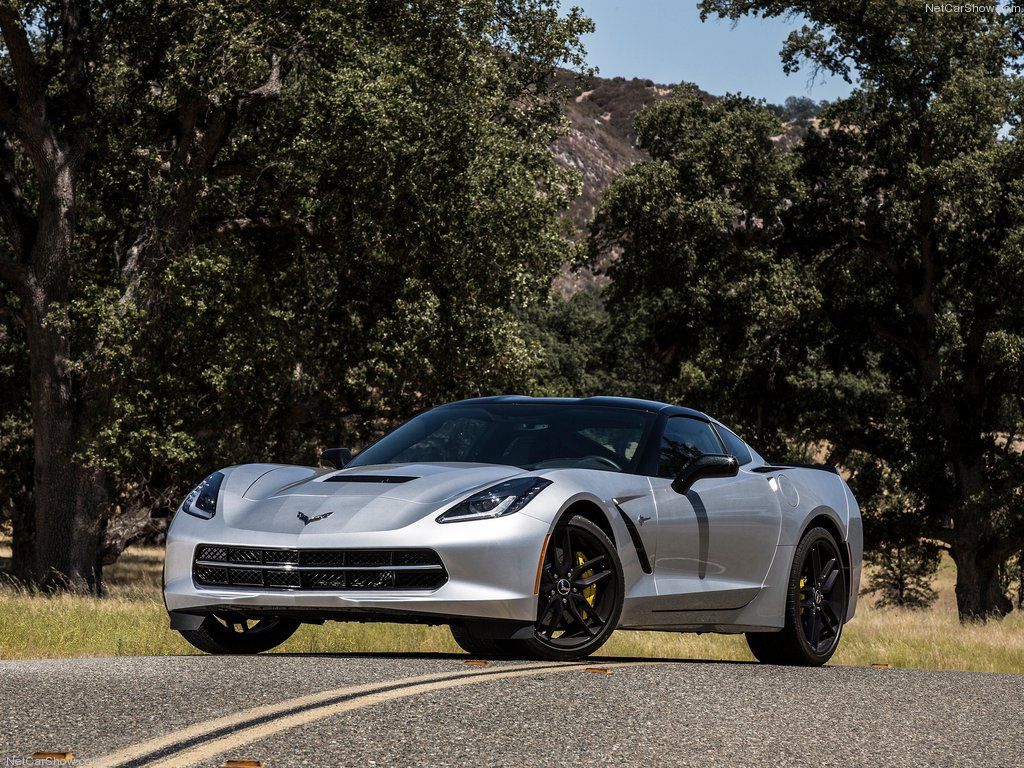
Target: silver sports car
531,526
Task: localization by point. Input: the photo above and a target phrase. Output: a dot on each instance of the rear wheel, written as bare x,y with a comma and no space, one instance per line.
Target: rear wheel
581,590
815,607
231,632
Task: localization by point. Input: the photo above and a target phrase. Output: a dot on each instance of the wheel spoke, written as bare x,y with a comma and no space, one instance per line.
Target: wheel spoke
544,625
815,635
815,564
589,609
826,571
830,583
576,615
567,553
591,580
831,620
546,577
588,565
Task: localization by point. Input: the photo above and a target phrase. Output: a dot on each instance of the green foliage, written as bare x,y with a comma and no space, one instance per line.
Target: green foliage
901,575
703,308
295,223
901,566
573,338
860,294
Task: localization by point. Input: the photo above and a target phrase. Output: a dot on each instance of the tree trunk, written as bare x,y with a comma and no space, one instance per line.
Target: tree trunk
70,497
979,593
1020,581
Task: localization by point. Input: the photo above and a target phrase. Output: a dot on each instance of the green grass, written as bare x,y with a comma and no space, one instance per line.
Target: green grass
132,621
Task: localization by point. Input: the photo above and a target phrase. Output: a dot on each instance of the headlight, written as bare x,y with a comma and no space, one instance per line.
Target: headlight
202,501
497,501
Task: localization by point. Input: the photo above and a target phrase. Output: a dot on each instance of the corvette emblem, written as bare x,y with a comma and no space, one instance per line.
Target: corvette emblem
306,519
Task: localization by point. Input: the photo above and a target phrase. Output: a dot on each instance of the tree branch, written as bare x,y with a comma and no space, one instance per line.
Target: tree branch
17,276
15,211
905,343
195,154
265,225
75,17
28,122
31,90
271,87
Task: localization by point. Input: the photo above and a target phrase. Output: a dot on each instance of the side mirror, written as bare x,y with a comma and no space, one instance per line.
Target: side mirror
708,465
335,457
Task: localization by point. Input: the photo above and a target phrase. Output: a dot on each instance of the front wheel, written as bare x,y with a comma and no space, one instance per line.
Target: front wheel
580,599
231,632
815,607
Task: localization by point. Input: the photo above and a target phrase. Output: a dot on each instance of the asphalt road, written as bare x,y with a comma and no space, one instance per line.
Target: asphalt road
436,710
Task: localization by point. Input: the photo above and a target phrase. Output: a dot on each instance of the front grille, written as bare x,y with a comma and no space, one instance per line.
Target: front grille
318,569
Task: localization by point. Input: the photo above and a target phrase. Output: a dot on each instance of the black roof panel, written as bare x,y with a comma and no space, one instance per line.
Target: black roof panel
606,402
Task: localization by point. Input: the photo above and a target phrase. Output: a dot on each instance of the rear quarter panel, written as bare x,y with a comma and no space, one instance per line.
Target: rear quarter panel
820,493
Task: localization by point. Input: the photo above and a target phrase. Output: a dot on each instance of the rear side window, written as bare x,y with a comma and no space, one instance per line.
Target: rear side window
684,440
735,446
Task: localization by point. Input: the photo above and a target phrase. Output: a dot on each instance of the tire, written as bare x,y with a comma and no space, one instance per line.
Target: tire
231,632
566,629
580,634
482,646
816,603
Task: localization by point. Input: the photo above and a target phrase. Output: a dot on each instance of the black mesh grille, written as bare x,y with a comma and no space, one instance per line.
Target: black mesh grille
282,578
323,557
219,554
281,556
371,580
415,557
418,579
244,555
369,559
246,576
318,569
323,579
207,575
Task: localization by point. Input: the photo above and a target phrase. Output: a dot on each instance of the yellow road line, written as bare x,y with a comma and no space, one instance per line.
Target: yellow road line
198,730
263,730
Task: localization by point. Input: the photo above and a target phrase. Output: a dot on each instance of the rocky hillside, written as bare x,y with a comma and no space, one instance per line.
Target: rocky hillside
601,142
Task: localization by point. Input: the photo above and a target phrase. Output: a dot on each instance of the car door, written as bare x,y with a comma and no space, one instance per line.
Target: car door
716,542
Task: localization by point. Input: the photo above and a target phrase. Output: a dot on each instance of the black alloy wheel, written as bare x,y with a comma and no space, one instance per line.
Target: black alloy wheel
232,632
579,601
822,598
581,589
815,606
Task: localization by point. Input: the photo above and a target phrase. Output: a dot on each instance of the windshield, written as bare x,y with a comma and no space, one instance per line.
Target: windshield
528,436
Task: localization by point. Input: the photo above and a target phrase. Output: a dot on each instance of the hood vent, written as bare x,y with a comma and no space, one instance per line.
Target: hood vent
383,479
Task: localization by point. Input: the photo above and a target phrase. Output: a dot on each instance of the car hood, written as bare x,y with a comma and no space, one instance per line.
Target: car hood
372,498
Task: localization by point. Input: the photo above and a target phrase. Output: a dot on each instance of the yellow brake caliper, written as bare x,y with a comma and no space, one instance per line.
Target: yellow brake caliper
803,586
590,593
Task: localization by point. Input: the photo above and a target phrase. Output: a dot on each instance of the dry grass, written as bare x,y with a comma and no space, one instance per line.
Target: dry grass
132,621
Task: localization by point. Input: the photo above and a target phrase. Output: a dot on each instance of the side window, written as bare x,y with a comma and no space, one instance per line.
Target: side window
735,446
684,440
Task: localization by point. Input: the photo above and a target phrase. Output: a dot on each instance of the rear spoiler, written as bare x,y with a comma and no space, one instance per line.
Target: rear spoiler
780,467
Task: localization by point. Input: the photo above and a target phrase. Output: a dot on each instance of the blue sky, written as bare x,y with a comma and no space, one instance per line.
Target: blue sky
664,40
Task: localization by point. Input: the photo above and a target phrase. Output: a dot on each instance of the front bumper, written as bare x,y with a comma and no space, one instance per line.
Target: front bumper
491,566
